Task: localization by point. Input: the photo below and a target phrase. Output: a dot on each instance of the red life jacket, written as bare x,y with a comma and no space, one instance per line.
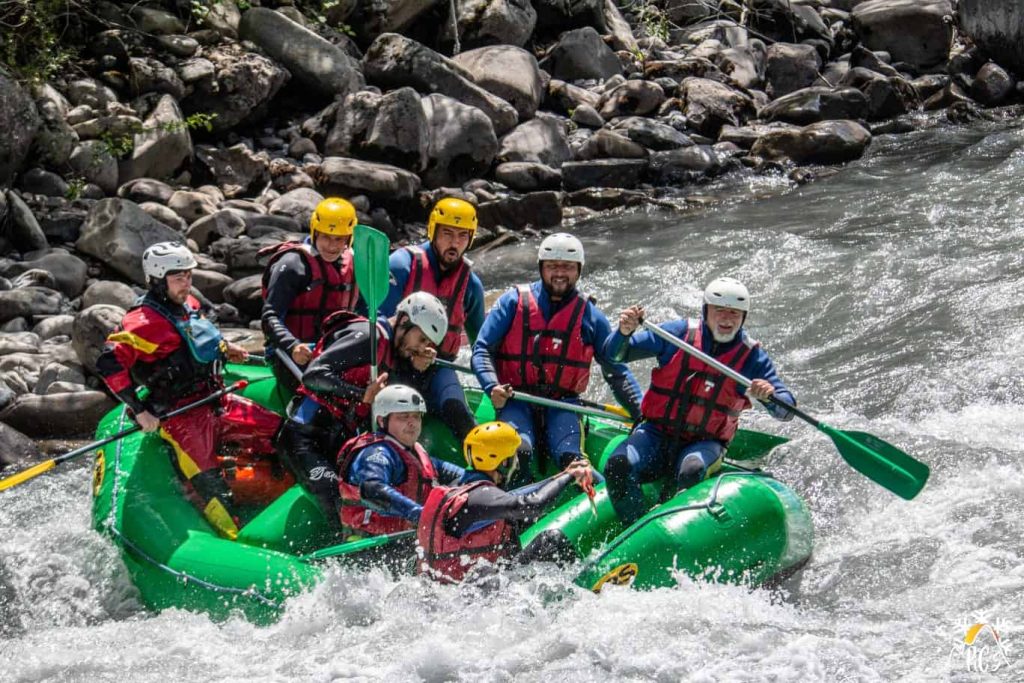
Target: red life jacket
330,289
451,291
351,413
446,557
550,357
420,479
692,401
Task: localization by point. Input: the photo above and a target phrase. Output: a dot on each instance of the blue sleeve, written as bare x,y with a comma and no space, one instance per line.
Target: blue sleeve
494,329
448,473
375,471
474,305
622,382
642,344
399,263
759,366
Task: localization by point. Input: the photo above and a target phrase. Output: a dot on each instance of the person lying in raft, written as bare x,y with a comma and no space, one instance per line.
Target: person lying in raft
462,527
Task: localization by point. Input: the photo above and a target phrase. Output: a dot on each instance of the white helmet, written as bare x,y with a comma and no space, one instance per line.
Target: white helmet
426,312
561,247
397,398
163,257
727,292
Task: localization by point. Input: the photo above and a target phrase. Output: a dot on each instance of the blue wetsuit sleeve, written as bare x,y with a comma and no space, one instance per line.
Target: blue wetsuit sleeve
642,344
759,366
623,384
494,329
488,503
474,307
448,473
399,263
375,471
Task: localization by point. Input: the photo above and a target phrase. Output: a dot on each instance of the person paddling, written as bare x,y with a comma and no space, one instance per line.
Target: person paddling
164,345
691,411
464,527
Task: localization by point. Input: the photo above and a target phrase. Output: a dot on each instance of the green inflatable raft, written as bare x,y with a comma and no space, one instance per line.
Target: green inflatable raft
739,526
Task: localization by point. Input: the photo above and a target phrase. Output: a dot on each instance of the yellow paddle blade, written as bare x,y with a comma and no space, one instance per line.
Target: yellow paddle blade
618,410
25,475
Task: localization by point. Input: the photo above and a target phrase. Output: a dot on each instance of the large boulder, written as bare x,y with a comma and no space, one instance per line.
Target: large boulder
825,142
90,330
20,121
26,302
15,447
462,142
918,32
69,272
93,162
163,146
632,98
581,54
347,177
509,72
490,22
316,63
58,415
681,166
373,18
117,231
242,85
237,170
626,173
791,67
393,61
536,210
709,105
650,133
817,104
523,176
541,140
246,294
391,129
992,85
997,27
22,229
298,204
555,16
109,292
55,139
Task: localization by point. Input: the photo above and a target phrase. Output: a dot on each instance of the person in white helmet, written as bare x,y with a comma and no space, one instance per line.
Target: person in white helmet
335,395
385,475
165,345
690,411
541,338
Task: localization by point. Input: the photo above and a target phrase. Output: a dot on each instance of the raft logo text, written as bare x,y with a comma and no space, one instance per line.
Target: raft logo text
981,645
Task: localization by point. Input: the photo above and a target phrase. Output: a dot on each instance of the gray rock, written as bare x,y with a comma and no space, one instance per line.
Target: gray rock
626,173
162,148
92,161
744,65
311,60
222,223
246,294
817,104
165,216
146,190
632,98
463,144
30,301
374,19
117,231
300,147
554,16
63,225
343,176
38,181
585,115
825,142
23,229
156,21
263,225
566,97
19,342
682,166
238,170
113,127
15,326
224,18
607,144
211,284
243,84
534,210
509,72
60,387
790,67
541,140
709,105
394,61
581,54
15,447
109,292
997,27
192,205
912,31
992,85
651,134
19,120
69,272
489,22
242,254
149,75
390,129
54,326
35,277
21,370
619,29
58,415
59,373
527,176
179,46
90,330
90,92
194,70
745,136
297,204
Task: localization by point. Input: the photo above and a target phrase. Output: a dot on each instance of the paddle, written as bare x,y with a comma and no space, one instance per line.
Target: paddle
605,410
878,460
48,465
370,251
358,546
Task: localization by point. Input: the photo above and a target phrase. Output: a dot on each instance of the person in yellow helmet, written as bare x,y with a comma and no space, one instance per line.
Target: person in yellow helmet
478,522
304,282
438,266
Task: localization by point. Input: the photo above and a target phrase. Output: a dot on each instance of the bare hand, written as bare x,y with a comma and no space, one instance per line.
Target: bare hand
301,354
374,388
148,421
761,389
234,352
580,471
423,358
500,395
629,319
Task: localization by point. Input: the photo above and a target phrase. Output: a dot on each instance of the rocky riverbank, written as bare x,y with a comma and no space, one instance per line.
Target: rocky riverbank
224,127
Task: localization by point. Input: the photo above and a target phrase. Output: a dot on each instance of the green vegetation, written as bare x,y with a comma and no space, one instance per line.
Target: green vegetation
34,45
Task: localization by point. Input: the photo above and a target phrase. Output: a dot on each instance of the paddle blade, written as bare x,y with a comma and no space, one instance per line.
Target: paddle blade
25,475
358,546
370,252
751,445
880,461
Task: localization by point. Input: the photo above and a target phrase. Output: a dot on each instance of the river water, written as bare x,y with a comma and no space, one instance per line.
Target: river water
891,296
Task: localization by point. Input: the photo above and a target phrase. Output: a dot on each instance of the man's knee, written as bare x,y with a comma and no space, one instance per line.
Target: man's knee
618,468
691,471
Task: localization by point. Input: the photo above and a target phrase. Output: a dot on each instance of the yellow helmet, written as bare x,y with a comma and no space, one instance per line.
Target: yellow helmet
456,213
488,446
333,216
